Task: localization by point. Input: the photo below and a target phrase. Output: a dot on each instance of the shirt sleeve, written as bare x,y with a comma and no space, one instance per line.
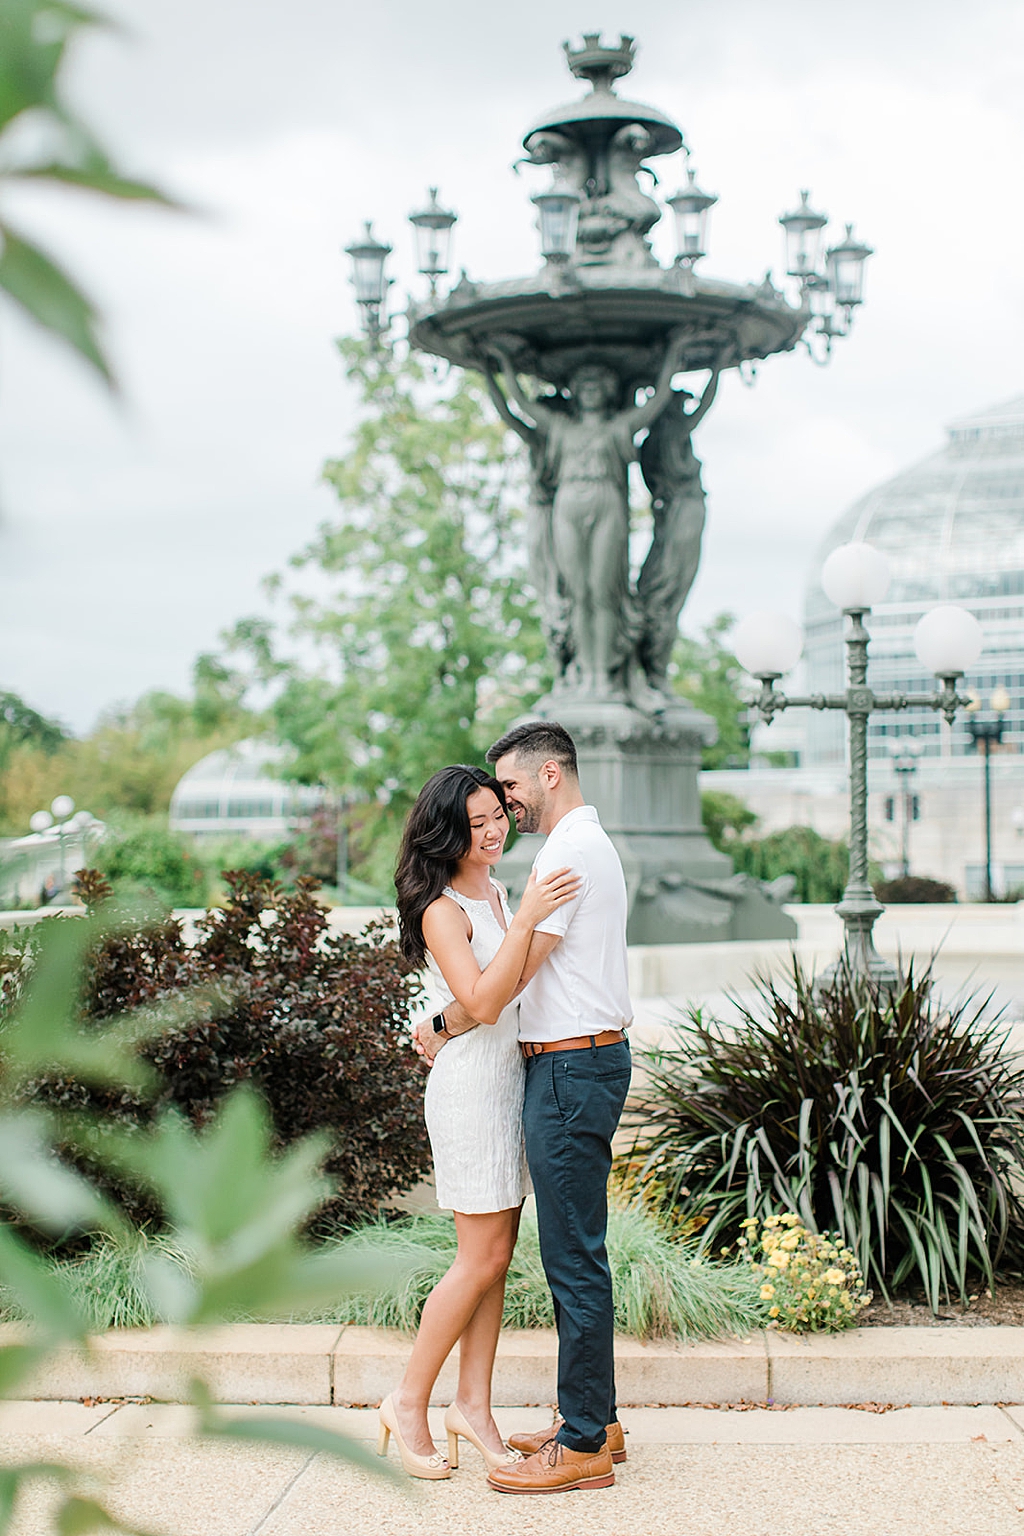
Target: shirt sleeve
556,858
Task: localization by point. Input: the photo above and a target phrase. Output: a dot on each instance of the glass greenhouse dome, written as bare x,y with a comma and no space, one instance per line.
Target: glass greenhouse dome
237,792
952,528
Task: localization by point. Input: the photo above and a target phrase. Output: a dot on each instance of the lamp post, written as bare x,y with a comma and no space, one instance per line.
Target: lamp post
904,765
341,859
58,816
433,229
368,257
948,640
983,734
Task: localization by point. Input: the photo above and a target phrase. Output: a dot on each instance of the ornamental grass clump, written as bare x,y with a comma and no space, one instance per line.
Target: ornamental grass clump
883,1114
809,1281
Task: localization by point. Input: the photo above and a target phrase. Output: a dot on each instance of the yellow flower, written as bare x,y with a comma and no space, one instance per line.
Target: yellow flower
773,1311
834,1277
779,1260
751,1221
791,1220
791,1240
767,1292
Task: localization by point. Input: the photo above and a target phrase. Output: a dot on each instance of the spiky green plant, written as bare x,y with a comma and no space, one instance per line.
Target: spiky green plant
886,1115
662,1289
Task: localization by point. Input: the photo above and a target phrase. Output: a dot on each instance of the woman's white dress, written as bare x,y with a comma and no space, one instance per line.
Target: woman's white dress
474,1098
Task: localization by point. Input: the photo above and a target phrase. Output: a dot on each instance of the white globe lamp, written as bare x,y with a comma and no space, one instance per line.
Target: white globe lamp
855,577
40,820
948,640
767,644
62,807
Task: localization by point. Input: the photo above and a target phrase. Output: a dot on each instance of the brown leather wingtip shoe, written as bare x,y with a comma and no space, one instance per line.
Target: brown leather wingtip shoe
555,1468
530,1443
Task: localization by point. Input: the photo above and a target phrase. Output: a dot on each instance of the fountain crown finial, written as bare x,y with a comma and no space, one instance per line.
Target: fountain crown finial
598,62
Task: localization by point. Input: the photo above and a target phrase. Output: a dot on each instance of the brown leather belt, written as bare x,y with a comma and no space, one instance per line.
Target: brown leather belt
577,1043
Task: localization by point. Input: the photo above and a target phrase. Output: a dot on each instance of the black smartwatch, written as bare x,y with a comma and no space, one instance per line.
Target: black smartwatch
440,1027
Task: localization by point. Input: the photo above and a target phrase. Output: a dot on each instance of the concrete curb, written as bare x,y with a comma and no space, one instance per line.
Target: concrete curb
339,1366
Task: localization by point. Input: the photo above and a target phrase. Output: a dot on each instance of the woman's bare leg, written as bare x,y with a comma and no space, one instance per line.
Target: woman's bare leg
477,1348
485,1249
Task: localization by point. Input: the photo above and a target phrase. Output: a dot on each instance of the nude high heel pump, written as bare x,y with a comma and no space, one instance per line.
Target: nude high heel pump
432,1467
456,1424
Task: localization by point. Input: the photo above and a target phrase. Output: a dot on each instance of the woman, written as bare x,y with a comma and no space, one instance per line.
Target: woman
453,914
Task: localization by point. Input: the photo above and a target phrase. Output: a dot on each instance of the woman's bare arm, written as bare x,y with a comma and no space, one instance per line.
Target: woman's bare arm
484,993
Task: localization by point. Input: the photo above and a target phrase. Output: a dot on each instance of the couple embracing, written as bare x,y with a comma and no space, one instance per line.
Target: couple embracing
530,1073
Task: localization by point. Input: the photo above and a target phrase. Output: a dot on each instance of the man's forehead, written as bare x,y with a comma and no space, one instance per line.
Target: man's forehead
516,766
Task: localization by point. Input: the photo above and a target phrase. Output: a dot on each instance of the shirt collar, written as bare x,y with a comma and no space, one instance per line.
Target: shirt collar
579,813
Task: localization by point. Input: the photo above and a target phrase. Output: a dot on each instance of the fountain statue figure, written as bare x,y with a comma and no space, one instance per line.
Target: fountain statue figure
611,641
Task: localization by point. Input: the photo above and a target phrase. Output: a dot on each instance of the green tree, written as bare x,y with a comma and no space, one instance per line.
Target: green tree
820,867
725,818
133,758
34,35
427,641
706,672
142,859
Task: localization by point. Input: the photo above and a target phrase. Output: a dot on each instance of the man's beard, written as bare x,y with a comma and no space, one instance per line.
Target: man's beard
528,818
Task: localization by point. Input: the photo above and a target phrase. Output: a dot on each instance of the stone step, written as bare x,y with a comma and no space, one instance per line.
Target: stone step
351,1366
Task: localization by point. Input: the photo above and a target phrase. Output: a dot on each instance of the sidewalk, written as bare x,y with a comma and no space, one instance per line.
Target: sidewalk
691,1472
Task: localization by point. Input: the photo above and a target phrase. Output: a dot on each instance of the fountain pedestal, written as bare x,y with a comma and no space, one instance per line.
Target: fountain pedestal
640,771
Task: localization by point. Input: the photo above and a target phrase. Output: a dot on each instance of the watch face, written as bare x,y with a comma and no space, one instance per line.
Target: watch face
438,1023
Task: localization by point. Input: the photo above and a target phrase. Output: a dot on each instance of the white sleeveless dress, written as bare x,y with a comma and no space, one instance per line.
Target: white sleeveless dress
474,1099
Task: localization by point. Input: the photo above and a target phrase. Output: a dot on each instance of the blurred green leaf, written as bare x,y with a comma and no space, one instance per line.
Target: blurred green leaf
11,1479
45,1190
309,1437
223,1186
77,1516
45,1035
97,177
16,1362
33,36
235,1206
37,1289
46,293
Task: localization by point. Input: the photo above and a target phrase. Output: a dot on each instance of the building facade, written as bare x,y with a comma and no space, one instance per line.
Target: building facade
952,530
238,792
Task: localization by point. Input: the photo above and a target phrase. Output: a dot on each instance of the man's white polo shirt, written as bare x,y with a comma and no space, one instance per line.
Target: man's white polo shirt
582,988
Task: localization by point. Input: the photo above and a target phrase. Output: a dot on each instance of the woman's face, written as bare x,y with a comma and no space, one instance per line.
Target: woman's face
488,828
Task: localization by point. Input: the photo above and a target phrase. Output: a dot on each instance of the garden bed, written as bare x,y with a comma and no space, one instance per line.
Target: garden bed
1005,1308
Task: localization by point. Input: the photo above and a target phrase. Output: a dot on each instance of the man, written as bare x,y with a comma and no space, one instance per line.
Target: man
573,1012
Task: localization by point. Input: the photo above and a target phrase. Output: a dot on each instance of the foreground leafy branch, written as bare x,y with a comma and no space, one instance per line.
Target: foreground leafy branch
34,37
233,1208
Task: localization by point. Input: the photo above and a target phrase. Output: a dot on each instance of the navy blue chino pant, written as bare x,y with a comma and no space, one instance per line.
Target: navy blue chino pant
572,1107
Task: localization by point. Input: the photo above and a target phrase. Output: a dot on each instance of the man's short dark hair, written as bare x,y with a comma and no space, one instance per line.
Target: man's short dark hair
536,742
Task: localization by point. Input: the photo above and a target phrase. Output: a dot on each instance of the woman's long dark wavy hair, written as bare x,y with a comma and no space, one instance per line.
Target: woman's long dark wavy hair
437,835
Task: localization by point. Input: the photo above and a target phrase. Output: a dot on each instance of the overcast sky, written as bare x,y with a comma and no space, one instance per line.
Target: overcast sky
131,534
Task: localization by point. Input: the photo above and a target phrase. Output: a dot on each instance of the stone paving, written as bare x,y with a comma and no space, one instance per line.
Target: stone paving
691,1472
